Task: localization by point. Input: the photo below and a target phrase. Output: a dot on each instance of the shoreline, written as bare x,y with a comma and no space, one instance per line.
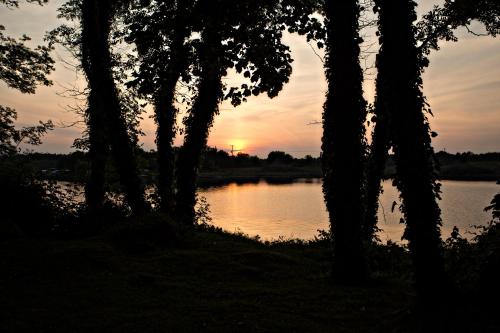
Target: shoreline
220,180
210,180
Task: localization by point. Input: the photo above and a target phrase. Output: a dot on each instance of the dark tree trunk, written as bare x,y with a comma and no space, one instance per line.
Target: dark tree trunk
166,117
198,123
96,124
98,151
343,139
374,175
378,156
411,140
104,103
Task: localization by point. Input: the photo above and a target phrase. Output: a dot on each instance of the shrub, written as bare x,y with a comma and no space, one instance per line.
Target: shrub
31,207
143,234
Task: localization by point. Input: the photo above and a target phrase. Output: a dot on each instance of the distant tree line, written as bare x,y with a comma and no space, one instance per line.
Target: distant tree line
75,166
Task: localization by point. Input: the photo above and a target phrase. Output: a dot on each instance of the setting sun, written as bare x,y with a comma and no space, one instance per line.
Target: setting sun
237,145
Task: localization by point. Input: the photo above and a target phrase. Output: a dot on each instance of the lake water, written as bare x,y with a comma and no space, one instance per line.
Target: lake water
297,210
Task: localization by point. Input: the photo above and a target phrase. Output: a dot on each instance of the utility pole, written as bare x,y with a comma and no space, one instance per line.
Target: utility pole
234,150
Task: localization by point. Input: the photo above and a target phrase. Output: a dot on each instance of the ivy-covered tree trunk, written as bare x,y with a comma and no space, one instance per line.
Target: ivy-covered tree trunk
166,117
375,172
104,104
402,66
343,141
98,151
378,155
96,124
199,121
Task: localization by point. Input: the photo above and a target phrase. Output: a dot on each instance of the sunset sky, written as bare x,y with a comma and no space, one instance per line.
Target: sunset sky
462,86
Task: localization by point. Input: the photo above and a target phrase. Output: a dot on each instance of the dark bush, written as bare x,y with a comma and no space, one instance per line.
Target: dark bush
31,207
144,234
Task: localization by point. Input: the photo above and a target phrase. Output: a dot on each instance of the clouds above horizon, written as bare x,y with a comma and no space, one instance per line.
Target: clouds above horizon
462,85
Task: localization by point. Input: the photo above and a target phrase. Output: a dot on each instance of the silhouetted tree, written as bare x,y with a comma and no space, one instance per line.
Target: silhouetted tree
439,24
105,118
401,65
243,35
201,115
279,157
160,32
15,3
379,148
343,142
494,207
21,68
11,137
442,21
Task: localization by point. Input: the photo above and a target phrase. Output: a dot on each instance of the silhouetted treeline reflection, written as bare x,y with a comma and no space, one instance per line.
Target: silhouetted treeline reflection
124,248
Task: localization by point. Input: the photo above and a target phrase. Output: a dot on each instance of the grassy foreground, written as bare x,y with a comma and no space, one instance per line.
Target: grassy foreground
212,281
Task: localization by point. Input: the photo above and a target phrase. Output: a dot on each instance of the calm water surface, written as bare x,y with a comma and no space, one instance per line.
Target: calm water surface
297,209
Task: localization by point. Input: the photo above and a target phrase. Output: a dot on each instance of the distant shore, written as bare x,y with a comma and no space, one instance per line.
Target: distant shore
449,170
219,168
254,175
289,175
